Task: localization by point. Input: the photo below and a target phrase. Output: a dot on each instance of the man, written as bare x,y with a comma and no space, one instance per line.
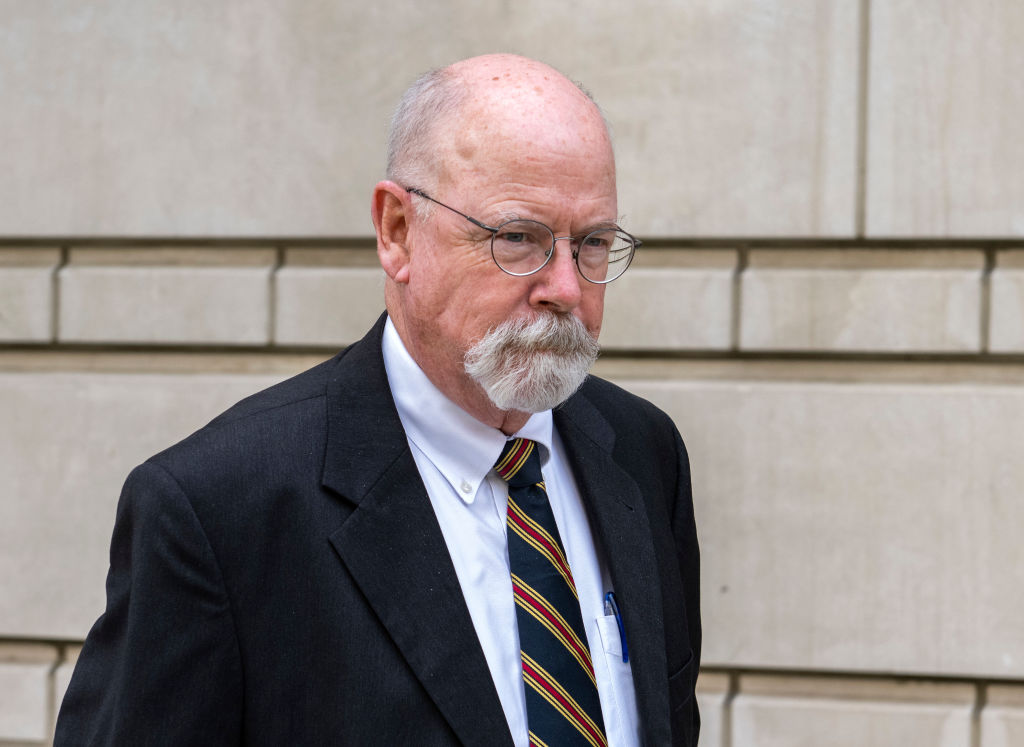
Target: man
337,561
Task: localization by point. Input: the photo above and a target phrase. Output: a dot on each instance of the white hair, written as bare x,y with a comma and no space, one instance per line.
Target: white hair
532,364
412,138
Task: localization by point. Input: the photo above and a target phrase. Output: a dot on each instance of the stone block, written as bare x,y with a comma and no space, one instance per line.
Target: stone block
257,118
807,714
1006,333
944,152
26,294
324,304
862,301
1002,719
69,440
855,525
25,692
671,307
740,122
199,120
712,696
130,299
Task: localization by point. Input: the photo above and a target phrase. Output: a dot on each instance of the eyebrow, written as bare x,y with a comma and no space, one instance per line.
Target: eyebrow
505,217
589,228
602,224
599,226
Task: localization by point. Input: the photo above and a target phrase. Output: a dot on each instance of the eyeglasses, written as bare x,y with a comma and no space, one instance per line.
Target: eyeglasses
522,247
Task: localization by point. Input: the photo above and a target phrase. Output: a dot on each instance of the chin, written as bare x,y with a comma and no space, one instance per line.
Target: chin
532,365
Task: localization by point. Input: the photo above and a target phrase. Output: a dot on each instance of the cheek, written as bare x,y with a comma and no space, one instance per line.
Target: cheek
465,304
591,308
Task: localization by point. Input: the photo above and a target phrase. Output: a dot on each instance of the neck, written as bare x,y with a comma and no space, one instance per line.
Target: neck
468,395
513,421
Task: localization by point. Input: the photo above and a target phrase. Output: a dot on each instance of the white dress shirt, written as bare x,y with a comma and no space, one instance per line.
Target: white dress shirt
455,454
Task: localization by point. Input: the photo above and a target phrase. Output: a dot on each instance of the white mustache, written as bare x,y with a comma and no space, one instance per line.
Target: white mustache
533,363
549,332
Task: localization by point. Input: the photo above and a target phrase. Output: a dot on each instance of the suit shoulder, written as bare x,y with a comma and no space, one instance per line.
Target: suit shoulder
303,386
259,431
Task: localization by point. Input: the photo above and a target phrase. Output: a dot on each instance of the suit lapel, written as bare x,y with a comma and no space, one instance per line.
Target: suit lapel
393,547
618,514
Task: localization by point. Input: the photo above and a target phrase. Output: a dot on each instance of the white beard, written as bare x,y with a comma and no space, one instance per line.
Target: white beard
532,364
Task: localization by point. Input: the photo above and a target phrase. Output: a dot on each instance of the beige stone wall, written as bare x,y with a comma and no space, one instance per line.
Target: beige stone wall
830,306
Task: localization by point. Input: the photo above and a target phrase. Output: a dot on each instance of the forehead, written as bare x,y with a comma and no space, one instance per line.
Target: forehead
556,116
498,150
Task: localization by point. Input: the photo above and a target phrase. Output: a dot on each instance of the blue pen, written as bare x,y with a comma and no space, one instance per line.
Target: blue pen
610,605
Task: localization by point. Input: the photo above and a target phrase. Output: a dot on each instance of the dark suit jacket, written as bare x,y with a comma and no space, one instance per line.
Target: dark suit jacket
279,577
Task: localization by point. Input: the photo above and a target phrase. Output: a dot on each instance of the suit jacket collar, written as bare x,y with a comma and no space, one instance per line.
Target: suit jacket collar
393,547
618,516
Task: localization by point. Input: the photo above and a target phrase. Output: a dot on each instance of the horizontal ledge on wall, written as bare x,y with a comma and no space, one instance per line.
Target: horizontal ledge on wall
48,649
715,675
367,241
608,354
983,369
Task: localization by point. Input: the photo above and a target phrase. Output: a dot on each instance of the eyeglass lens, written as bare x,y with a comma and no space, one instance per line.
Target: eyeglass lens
521,247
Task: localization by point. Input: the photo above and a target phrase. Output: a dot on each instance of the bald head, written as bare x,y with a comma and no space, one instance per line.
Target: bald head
448,113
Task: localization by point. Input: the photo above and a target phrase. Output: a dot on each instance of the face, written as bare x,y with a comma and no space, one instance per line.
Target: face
544,159
457,293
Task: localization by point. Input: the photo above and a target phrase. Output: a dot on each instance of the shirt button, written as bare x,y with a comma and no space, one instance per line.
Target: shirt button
466,487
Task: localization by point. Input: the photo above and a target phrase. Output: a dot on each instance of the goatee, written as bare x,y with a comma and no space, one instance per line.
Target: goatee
532,364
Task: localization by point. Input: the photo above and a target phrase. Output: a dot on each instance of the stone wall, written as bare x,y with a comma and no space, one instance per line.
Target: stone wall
830,304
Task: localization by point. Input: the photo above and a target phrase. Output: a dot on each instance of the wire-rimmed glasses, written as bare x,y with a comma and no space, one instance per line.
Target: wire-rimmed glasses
522,247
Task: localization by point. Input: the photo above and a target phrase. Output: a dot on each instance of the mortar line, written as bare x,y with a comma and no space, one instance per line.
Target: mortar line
986,299
732,690
52,706
742,260
272,297
55,293
980,701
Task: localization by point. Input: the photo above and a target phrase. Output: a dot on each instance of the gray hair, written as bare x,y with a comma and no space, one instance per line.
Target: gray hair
434,96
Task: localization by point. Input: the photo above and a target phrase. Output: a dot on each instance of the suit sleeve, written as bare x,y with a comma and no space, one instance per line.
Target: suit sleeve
684,532
162,664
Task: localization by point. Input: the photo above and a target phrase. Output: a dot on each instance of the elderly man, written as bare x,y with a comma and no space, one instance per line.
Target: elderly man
448,534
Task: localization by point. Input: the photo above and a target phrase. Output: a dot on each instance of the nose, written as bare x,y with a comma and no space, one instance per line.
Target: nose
558,285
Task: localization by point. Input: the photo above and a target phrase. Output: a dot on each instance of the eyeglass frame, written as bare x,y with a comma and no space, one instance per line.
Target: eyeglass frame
637,243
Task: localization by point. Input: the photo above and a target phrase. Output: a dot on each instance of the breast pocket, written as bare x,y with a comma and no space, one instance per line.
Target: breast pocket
618,706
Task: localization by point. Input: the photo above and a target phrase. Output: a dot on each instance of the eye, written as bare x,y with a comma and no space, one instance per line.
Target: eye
596,241
522,235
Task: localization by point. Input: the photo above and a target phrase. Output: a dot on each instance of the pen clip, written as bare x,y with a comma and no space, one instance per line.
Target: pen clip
609,602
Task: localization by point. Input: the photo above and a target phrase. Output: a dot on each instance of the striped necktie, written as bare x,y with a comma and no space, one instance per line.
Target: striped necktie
562,704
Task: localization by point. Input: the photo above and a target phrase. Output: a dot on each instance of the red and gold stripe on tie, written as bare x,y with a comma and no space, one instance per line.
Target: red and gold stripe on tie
540,540
515,458
548,688
529,600
536,741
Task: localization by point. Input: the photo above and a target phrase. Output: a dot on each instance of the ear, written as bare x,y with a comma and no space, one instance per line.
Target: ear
391,209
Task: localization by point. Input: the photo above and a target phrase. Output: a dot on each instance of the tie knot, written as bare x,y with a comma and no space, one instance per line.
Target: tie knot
519,463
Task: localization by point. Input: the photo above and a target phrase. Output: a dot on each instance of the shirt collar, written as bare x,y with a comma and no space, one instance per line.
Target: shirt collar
461,447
